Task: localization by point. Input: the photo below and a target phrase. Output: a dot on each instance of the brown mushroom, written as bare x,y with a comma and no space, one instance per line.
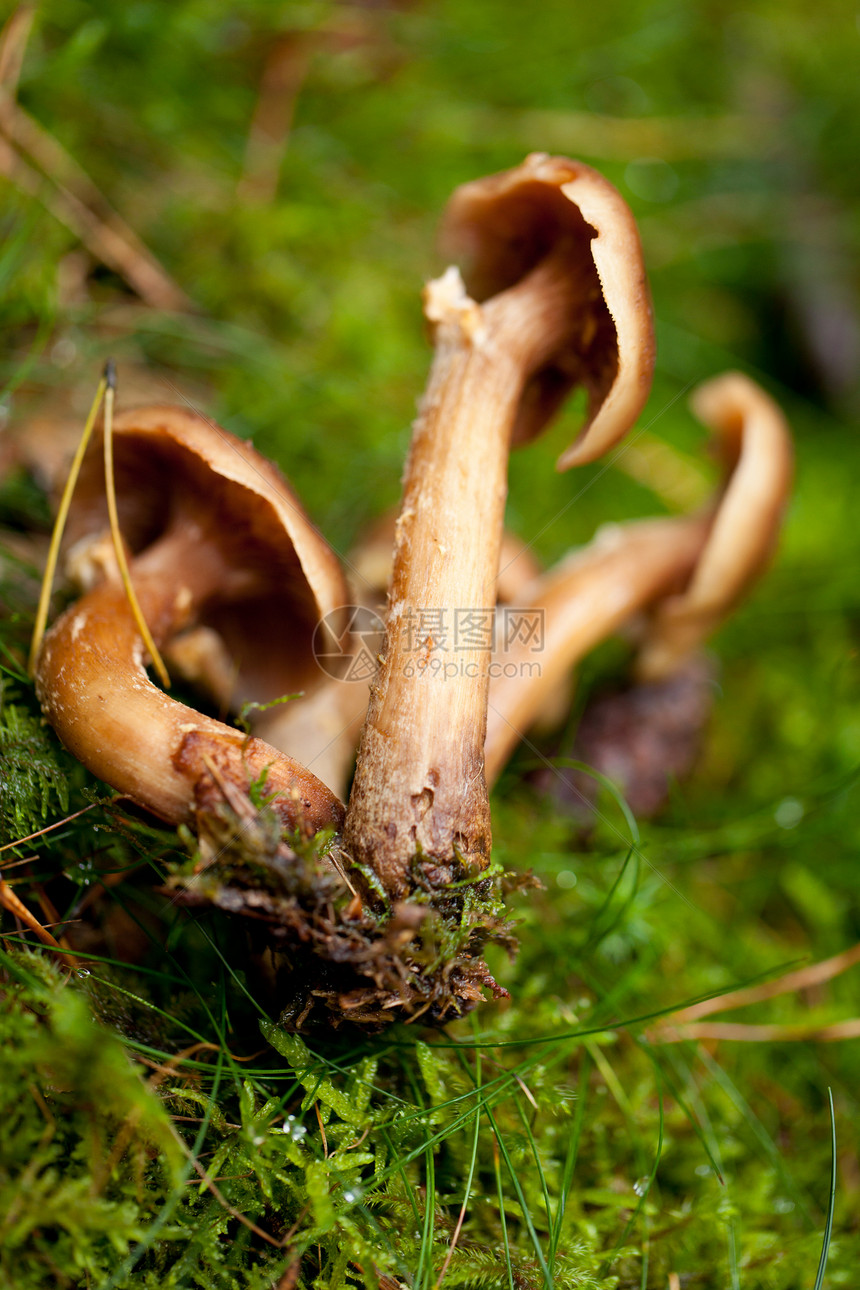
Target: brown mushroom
556,298
219,541
689,572
756,445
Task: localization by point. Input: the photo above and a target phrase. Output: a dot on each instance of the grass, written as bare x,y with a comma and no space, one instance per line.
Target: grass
159,1128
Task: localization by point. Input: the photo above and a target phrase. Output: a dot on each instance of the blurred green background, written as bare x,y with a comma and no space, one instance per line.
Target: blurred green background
286,166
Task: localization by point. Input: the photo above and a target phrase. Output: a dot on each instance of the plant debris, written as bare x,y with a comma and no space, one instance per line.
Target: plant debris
328,955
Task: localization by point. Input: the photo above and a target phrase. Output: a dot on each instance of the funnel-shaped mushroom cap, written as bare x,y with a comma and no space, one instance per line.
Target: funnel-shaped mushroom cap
756,447
502,227
176,471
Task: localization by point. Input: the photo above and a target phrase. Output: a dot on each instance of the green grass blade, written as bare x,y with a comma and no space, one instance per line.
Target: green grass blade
526,1212
570,1158
831,1202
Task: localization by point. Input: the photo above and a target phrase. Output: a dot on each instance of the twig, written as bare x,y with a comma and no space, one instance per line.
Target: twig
222,1200
13,44
322,1129
169,1067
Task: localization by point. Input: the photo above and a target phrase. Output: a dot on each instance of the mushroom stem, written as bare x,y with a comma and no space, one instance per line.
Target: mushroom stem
584,599
93,688
419,786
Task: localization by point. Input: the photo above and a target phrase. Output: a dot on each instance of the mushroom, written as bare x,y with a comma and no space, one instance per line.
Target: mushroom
556,298
220,543
688,572
756,445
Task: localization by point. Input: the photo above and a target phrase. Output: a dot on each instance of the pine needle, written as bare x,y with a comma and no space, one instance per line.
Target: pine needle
109,380
59,528
10,901
9,846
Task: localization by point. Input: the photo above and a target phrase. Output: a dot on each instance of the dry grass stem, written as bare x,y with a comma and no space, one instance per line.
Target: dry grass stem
17,907
283,75
33,160
753,1034
116,535
801,979
59,529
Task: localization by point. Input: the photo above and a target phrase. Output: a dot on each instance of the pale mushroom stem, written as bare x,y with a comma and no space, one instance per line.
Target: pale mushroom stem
419,786
93,687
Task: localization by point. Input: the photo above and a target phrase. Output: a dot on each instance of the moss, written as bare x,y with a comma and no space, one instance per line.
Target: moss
33,781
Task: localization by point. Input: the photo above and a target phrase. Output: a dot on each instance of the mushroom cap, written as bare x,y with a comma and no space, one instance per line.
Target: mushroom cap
174,467
502,226
755,444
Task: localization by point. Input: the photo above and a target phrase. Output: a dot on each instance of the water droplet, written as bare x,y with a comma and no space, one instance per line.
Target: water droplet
782,1205
641,1186
789,813
352,1194
86,872
295,1130
82,972
258,1140
703,1170
566,879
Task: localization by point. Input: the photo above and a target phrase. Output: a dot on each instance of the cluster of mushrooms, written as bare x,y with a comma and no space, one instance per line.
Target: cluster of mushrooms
387,917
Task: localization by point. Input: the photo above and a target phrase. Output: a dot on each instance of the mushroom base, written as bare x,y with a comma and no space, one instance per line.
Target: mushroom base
320,956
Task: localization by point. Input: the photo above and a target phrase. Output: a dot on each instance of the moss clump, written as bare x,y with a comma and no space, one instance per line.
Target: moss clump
87,1152
33,781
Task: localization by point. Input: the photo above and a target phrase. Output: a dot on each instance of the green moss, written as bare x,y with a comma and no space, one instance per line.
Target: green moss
33,782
